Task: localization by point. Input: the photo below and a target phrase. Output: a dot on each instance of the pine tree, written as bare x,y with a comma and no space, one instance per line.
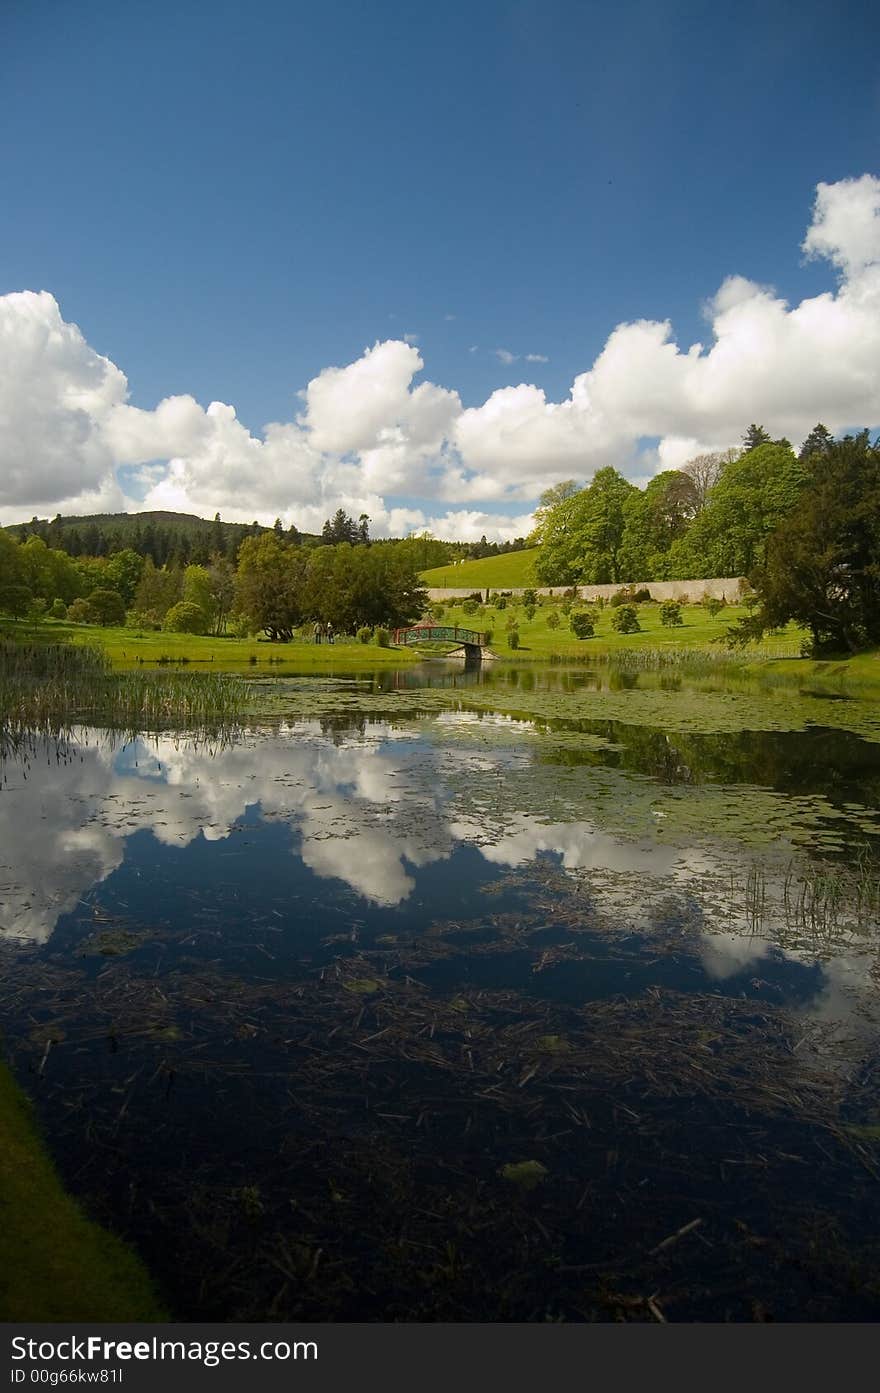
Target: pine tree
754,436
818,442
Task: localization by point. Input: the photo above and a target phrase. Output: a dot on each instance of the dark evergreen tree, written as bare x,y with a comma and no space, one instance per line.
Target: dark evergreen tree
218,537
822,565
754,436
818,442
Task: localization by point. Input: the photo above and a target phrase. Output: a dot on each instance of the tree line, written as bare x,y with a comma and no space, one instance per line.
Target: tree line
710,518
276,586
179,539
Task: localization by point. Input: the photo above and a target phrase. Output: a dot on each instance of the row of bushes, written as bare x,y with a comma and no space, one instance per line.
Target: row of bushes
624,620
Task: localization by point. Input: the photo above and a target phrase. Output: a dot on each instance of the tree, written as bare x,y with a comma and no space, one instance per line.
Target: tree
197,589
222,591
363,529
123,572
670,614
550,499
754,436
341,528
704,471
186,618
822,565
15,598
157,591
218,537
655,518
583,624
270,585
818,442
752,496
583,533
625,620
105,607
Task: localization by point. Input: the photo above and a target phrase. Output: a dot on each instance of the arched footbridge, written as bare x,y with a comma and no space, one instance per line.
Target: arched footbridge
471,641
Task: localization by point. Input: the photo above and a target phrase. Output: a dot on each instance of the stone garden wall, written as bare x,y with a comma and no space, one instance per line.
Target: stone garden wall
724,587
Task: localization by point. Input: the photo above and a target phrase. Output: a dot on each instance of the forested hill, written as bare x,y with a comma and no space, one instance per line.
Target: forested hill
166,537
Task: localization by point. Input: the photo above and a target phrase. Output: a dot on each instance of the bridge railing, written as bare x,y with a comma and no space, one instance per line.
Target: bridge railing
438,633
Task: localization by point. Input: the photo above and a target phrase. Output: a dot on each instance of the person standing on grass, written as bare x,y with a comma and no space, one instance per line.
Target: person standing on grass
329,633
317,633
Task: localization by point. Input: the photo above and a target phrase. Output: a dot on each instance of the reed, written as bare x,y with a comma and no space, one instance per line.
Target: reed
47,689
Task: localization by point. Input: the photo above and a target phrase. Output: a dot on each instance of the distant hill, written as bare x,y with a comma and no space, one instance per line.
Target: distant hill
162,535
511,569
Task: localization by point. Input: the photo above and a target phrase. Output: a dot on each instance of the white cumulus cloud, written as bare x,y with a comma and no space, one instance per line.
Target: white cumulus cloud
374,437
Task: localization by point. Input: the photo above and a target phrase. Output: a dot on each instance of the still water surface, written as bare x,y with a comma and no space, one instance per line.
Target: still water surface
442,997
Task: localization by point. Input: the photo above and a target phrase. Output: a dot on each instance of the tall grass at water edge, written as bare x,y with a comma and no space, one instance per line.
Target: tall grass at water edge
45,689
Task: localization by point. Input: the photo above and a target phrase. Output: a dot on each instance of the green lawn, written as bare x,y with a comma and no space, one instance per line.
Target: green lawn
129,648
539,641
513,569
55,1264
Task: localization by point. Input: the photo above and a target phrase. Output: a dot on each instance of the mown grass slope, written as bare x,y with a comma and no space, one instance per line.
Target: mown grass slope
512,569
538,640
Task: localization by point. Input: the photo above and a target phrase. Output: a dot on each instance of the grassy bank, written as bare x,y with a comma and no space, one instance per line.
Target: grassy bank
540,642
55,1264
512,569
130,648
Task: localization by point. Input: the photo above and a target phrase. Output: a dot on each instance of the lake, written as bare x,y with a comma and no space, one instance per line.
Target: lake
508,994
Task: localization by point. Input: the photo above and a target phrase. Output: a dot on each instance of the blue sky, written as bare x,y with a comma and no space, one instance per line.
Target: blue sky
228,199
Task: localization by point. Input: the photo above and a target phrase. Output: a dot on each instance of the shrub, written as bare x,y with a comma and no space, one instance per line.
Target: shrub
364,635
567,606
106,607
143,619
713,605
583,624
38,607
571,593
553,620
487,635
670,614
530,597
383,638
15,599
513,638
78,612
512,622
59,609
625,620
437,611
470,605
186,618
642,596
501,602
529,612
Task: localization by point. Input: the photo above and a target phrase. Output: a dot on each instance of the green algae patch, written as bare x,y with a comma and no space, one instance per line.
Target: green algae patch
362,986
56,1264
111,943
553,1044
525,1175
